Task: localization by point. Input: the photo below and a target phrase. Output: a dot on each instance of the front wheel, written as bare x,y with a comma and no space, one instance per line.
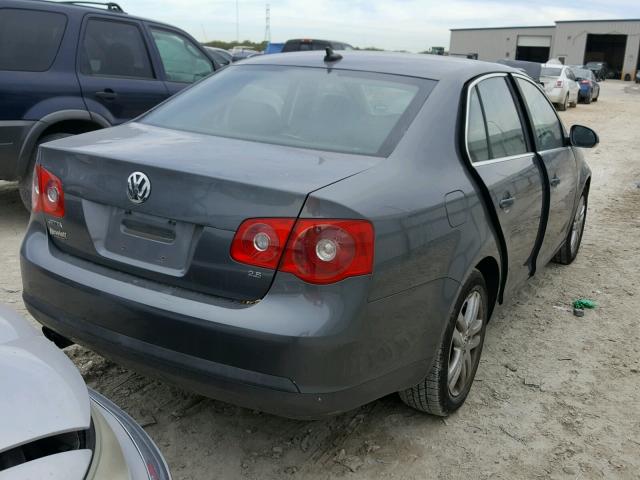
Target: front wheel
447,385
569,250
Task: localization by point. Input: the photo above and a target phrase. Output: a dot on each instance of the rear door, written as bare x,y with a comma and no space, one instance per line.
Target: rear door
116,74
500,154
181,59
559,162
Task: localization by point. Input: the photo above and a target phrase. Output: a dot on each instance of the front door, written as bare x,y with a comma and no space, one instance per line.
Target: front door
115,72
183,62
507,165
559,162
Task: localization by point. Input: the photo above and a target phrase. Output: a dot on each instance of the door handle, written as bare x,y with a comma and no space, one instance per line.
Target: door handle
507,201
107,94
555,181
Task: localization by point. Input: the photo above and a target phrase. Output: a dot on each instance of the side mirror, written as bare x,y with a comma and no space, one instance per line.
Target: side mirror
583,137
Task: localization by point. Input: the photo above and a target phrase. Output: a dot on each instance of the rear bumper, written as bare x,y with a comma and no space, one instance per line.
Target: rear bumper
557,95
585,90
302,352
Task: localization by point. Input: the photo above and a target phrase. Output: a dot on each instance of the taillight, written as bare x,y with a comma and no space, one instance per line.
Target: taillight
558,83
47,195
584,82
261,241
327,251
318,251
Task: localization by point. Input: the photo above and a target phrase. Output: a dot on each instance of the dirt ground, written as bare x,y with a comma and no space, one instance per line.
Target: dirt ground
556,396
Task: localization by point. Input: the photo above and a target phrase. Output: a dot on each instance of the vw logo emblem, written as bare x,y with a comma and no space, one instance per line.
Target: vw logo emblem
138,187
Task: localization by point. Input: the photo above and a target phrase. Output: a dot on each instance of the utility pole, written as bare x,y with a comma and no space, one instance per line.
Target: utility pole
267,28
237,22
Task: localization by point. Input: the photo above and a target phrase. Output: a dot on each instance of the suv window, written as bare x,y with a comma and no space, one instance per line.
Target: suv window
114,49
182,60
504,130
29,39
549,133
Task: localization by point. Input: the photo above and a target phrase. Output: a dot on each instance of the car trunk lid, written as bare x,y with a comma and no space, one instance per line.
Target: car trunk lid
201,189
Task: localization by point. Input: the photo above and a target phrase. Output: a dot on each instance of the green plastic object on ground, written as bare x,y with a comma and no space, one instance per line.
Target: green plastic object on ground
584,303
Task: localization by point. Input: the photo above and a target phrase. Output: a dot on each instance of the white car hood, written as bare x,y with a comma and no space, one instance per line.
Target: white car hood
43,393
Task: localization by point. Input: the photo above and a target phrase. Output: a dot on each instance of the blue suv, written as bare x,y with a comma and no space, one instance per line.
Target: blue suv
73,67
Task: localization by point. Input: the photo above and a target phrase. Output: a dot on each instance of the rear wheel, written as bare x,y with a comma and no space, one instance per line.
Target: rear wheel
27,181
447,385
569,250
589,98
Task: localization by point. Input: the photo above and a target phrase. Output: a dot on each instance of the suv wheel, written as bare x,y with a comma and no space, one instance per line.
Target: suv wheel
447,385
27,181
569,250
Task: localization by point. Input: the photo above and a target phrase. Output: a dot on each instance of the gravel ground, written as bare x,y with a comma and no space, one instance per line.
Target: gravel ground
555,396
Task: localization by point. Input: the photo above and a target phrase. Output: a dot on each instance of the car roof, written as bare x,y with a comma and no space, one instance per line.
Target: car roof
434,67
80,8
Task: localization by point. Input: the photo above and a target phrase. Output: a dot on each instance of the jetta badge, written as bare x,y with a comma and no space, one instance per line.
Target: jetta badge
138,187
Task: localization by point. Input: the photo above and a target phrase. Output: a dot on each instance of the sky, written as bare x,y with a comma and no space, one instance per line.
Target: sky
413,25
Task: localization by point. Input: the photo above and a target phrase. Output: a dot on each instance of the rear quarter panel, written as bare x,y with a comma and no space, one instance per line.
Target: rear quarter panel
422,241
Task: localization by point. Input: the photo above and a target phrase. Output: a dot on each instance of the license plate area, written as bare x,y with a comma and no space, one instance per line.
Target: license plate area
149,241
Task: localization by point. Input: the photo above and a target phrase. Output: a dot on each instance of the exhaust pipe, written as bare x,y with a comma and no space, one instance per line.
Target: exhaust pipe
60,341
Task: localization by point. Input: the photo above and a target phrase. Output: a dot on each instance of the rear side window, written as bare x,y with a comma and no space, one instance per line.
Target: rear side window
114,49
476,130
504,130
29,39
549,133
337,110
181,59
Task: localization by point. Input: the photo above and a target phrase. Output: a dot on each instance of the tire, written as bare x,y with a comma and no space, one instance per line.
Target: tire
589,98
25,183
433,394
569,250
563,106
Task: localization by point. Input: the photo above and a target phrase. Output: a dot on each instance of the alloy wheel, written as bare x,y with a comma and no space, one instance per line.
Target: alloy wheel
467,337
578,225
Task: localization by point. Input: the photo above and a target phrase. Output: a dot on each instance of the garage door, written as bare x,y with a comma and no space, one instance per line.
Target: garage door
533,41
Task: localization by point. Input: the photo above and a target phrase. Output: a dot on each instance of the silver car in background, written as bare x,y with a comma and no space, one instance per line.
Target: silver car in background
53,427
560,85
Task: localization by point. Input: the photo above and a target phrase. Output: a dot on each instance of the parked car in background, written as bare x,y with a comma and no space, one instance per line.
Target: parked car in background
589,87
67,69
304,44
327,242
53,427
242,53
560,85
219,55
599,69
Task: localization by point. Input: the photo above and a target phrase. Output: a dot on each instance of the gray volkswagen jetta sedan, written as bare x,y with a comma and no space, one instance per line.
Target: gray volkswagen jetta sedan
305,233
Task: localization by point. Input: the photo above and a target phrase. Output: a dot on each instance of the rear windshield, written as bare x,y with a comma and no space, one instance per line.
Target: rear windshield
334,110
582,73
550,72
29,39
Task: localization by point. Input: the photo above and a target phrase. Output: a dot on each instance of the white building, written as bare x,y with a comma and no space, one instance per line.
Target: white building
616,42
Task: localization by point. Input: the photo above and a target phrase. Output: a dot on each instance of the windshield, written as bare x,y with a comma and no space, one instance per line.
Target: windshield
335,110
551,72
